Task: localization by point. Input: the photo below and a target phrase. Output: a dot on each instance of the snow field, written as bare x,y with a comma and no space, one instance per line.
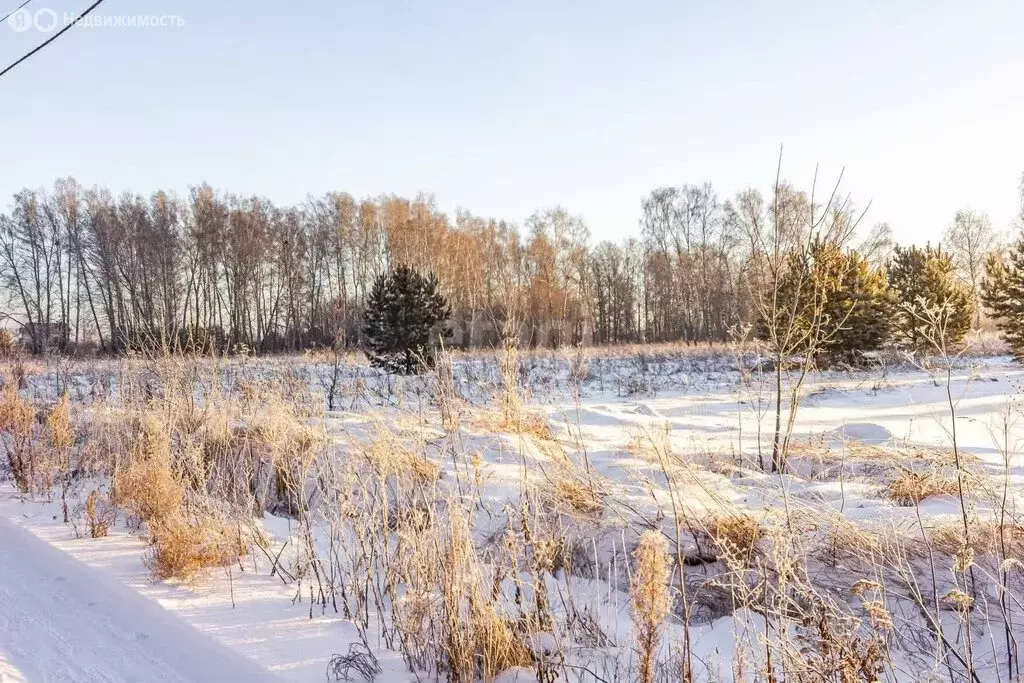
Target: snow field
628,444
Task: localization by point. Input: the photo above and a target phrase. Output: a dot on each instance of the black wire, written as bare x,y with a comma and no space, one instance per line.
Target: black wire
54,37
9,14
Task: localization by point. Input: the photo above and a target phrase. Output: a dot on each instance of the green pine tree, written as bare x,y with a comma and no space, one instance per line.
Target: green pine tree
1002,292
934,310
831,302
862,305
787,317
403,309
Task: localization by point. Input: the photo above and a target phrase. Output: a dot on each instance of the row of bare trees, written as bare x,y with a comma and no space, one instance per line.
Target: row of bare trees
212,269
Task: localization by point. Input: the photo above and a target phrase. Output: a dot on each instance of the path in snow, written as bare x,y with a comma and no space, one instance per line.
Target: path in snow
63,621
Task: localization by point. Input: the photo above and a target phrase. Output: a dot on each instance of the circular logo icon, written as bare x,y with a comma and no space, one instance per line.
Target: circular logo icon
46,20
21,20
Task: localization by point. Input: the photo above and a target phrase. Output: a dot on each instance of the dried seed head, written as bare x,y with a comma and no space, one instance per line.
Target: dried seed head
963,559
959,600
880,618
651,601
863,586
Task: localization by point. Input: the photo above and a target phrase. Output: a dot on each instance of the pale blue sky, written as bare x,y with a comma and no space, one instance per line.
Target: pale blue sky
506,107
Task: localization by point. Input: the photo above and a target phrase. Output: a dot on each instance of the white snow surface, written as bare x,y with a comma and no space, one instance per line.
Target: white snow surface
85,610
61,620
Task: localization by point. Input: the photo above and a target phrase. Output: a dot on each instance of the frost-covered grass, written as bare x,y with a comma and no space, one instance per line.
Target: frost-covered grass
484,520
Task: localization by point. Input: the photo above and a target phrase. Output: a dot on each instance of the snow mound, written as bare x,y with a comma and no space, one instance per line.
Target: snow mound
867,433
598,416
644,409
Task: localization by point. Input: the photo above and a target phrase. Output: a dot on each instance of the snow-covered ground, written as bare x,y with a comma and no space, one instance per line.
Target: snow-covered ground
83,609
62,620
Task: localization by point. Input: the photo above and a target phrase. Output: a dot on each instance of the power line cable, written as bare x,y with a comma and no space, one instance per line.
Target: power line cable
54,37
16,9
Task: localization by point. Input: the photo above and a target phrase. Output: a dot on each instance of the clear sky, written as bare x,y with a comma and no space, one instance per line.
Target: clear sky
503,107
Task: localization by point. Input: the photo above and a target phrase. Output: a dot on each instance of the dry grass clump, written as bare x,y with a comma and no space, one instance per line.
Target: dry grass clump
497,645
17,425
149,493
523,423
820,461
553,450
108,434
229,458
937,456
8,344
579,497
984,343
512,416
258,461
484,644
58,422
530,424
292,449
566,484
99,514
184,548
388,457
988,538
59,441
847,541
734,533
509,367
911,487
449,619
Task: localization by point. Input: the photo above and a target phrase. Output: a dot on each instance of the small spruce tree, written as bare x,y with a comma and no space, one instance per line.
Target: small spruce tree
403,309
1002,292
927,290
863,304
832,302
788,313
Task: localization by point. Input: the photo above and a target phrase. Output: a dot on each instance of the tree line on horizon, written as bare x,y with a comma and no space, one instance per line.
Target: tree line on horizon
82,268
